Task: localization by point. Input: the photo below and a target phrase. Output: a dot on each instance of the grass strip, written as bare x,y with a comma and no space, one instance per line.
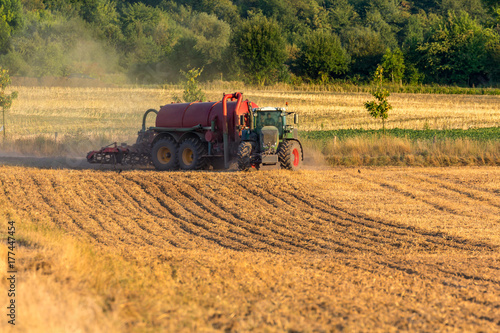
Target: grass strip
401,147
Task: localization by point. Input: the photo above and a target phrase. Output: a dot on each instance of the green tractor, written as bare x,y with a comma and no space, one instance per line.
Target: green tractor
269,138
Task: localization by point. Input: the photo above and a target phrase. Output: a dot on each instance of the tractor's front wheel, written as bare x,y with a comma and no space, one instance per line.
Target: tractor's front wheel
192,154
290,155
164,154
244,154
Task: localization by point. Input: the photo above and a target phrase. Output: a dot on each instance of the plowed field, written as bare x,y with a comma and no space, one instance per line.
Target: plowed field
367,250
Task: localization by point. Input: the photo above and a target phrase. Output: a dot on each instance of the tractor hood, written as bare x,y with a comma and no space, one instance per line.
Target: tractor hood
269,135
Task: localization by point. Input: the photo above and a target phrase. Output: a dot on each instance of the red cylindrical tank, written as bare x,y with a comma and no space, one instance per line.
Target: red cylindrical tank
186,115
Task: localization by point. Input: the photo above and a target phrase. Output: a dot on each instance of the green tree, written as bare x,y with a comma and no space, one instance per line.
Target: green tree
341,14
459,50
192,92
260,46
394,64
321,52
472,7
380,107
375,20
104,18
5,99
210,38
11,19
365,47
148,33
53,45
203,43
223,9
39,49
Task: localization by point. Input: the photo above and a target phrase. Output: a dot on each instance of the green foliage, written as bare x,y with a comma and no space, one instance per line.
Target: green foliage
147,32
52,45
295,17
5,99
260,46
104,18
204,45
366,48
192,92
415,30
473,7
258,41
211,35
224,10
10,20
380,107
341,14
377,23
413,75
459,50
394,64
322,53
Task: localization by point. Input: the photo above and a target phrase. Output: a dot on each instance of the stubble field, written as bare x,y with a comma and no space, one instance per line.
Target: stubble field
319,250
329,250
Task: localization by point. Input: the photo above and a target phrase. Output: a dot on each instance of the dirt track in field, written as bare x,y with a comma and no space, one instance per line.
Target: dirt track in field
435,228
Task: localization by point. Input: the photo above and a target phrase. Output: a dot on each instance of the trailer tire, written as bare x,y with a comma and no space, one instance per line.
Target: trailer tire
244,155
164,155
191,154
290,155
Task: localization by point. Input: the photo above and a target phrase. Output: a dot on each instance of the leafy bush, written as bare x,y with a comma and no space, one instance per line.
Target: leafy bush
260,46
322,53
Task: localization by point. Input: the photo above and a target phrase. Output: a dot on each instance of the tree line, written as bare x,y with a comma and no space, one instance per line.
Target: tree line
257,41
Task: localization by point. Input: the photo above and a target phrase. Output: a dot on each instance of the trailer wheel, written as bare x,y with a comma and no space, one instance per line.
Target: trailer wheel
191,154
244,153
164,155
290,155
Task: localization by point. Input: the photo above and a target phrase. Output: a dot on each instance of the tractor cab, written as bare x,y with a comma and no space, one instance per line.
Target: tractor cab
268,117
269,126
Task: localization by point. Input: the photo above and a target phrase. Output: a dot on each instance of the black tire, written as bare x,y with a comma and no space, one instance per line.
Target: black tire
164,155
244,154
191,154
290,155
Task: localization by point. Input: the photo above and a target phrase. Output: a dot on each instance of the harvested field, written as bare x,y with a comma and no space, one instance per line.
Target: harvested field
115,114
368,250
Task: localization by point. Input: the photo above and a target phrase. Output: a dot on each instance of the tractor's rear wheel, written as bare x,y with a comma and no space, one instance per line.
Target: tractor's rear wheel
290,155
244,154
192,154
164,154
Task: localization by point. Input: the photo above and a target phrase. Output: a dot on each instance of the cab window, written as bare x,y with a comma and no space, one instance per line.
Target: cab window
269,119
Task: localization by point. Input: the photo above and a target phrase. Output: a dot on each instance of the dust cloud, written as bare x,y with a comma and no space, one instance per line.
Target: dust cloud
314,159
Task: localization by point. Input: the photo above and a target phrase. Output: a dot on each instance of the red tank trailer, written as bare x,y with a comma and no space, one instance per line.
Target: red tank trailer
198,133
188,136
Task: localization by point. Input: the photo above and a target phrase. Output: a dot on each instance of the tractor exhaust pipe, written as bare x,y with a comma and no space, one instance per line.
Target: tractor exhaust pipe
225,132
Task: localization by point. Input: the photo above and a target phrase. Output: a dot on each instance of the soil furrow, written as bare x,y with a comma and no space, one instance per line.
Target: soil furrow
260,229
